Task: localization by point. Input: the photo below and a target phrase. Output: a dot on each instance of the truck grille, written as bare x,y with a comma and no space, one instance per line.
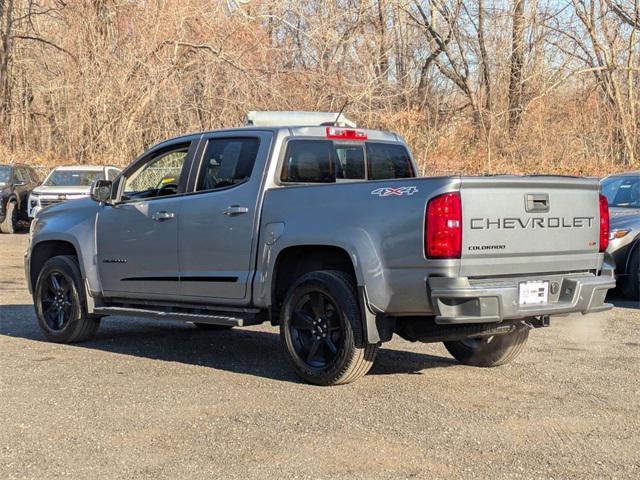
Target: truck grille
47,202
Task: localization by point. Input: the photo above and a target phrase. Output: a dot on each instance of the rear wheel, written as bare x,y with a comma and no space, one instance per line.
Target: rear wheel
60,302
320,329
631,286
490,351
10,219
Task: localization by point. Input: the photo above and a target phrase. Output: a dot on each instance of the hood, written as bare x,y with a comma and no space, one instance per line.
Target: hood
65,208
624,218
62,189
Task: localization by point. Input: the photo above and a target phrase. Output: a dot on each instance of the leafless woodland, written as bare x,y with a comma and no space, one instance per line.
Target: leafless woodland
475,86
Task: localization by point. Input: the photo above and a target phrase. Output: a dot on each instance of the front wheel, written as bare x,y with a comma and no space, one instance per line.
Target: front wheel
490,351
321,328
60,302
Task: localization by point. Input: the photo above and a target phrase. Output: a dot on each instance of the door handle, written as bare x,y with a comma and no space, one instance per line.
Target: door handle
235,210
537,202
162,216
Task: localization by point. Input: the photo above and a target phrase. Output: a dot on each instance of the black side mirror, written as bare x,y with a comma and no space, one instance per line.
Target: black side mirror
101,190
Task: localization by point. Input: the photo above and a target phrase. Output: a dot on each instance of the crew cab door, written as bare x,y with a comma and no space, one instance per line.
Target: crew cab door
218,234
137,236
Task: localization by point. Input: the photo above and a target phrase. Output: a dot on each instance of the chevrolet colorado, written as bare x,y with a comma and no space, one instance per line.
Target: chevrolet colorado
328,233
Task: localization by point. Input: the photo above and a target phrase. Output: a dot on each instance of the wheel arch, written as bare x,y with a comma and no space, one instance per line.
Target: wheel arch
294,261
13,198
43,251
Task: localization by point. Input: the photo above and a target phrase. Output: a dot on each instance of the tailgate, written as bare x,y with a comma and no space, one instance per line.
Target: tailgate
516,225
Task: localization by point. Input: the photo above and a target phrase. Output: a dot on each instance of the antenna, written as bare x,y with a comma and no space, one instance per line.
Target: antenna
340,112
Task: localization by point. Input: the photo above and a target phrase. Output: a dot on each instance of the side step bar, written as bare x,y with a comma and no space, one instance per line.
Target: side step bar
235,319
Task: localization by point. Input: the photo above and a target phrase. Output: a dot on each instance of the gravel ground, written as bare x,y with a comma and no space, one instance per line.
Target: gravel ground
166,400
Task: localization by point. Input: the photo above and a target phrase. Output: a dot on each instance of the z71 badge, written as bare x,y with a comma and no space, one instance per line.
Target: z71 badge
394,191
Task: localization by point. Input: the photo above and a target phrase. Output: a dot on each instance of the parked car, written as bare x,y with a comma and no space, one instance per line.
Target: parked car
326,232
623,194
16,183
67,183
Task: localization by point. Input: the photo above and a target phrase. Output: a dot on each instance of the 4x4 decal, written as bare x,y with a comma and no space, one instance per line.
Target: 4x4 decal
394,191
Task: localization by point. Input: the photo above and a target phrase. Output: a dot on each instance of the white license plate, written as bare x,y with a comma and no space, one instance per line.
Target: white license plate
533,293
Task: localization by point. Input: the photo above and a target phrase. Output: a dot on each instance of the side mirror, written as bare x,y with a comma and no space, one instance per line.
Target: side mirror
21,183
101,190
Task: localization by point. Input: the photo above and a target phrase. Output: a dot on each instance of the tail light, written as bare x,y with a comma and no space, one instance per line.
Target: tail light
604,223
443,230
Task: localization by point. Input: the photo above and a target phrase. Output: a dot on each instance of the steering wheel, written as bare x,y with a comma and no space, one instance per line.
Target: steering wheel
168,189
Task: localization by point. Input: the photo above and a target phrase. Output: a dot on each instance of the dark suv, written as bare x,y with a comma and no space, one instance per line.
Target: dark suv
16,183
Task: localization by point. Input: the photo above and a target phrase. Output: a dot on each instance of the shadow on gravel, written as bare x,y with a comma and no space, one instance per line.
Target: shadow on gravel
621,302
241,351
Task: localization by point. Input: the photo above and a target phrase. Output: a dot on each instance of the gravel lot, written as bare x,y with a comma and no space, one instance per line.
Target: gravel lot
165,400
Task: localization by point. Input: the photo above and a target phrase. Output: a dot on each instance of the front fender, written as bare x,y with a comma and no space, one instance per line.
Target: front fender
74,224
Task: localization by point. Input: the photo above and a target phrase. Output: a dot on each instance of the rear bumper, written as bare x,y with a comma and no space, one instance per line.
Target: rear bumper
461,300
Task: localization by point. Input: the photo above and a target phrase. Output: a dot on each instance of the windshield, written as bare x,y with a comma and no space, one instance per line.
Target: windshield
5,174
622,192
73,178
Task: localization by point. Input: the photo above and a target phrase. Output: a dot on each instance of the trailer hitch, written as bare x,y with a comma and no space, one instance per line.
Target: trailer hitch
538,322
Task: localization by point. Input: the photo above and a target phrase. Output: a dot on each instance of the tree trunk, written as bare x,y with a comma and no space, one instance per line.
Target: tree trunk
485,80
383,60
517,64
6,26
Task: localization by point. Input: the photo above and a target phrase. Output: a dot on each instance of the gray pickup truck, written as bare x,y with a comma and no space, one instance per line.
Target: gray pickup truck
328,233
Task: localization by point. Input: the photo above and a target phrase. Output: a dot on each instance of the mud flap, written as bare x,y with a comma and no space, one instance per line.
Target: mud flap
376,328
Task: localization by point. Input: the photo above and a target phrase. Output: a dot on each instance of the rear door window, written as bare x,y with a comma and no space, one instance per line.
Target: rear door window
387,161
227,162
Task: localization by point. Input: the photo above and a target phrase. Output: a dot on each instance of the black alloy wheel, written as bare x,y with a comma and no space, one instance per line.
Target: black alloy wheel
321,329
316,330
55,296
60,302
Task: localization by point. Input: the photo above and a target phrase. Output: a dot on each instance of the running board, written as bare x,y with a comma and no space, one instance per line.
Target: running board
234,319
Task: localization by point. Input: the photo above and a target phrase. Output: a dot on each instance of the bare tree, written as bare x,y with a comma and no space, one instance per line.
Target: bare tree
517,64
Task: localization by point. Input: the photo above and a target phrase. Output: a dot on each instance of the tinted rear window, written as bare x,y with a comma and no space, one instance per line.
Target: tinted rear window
323,161
309,161
386,161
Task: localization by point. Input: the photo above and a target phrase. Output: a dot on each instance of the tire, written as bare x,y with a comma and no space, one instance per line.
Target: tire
10,219
209,326
631,286
489,351
321,328
60,302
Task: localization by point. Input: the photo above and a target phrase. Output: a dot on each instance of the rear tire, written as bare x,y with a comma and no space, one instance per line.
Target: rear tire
321,328
60,302
10,219
489,351
631,286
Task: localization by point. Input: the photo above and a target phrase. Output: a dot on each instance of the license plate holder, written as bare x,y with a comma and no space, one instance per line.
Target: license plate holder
533,292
